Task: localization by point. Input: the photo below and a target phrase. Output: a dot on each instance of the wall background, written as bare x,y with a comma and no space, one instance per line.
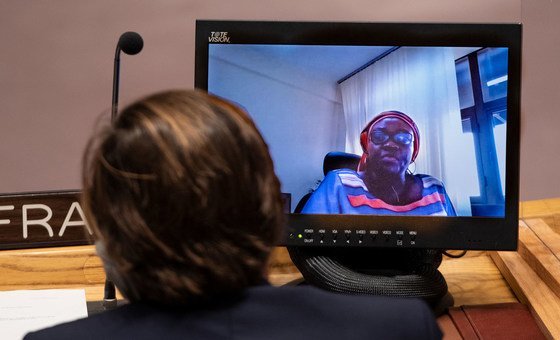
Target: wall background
56,67
299,131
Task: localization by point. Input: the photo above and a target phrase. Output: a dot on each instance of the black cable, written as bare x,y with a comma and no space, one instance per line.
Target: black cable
454,256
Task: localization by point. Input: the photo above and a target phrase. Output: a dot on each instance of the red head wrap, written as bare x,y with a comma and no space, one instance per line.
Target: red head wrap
364,135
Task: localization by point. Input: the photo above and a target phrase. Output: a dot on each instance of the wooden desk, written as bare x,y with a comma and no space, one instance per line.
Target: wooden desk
473,279
53,268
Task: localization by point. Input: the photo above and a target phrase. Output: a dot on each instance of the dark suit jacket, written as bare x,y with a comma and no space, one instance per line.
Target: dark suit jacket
261,312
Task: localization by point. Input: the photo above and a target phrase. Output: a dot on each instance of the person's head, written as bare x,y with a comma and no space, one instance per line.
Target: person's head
181,193
390,142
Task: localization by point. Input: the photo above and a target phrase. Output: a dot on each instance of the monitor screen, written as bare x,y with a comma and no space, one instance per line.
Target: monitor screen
382,134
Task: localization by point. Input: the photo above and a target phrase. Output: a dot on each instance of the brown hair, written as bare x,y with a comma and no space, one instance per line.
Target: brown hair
181,193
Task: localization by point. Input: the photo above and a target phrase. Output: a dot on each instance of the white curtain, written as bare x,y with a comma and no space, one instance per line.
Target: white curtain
421,82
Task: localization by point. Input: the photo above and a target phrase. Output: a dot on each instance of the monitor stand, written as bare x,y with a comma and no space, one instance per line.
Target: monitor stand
376,271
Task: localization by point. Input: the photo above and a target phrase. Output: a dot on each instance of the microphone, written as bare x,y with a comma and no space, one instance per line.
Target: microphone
130,43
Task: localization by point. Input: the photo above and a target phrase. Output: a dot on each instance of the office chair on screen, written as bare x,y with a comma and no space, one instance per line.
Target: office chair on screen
333,160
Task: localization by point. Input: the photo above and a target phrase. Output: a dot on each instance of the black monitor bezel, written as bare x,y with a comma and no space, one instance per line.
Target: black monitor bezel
471,233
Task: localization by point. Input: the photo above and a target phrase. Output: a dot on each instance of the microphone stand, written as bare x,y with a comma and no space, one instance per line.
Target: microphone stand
130,43
109,295
116,72
109,291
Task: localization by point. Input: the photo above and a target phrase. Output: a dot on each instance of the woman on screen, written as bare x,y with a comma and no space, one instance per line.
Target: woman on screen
382,184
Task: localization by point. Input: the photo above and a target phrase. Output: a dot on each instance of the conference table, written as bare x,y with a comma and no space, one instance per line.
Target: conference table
530,275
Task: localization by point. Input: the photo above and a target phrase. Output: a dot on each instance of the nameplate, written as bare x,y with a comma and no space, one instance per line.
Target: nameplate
42,219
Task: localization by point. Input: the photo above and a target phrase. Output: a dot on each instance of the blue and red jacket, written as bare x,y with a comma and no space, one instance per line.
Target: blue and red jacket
344,192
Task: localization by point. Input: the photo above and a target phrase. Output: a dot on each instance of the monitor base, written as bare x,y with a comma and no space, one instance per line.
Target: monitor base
376,271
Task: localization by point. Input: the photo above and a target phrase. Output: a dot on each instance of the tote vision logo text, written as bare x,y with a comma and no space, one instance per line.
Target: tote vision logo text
218,37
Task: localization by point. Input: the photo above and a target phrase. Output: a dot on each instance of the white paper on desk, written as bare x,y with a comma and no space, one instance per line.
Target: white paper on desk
23,311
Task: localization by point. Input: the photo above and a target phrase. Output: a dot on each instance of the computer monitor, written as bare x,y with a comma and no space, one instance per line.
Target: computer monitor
392,135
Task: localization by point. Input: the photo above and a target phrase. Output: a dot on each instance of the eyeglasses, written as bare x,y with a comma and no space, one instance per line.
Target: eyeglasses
380,137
